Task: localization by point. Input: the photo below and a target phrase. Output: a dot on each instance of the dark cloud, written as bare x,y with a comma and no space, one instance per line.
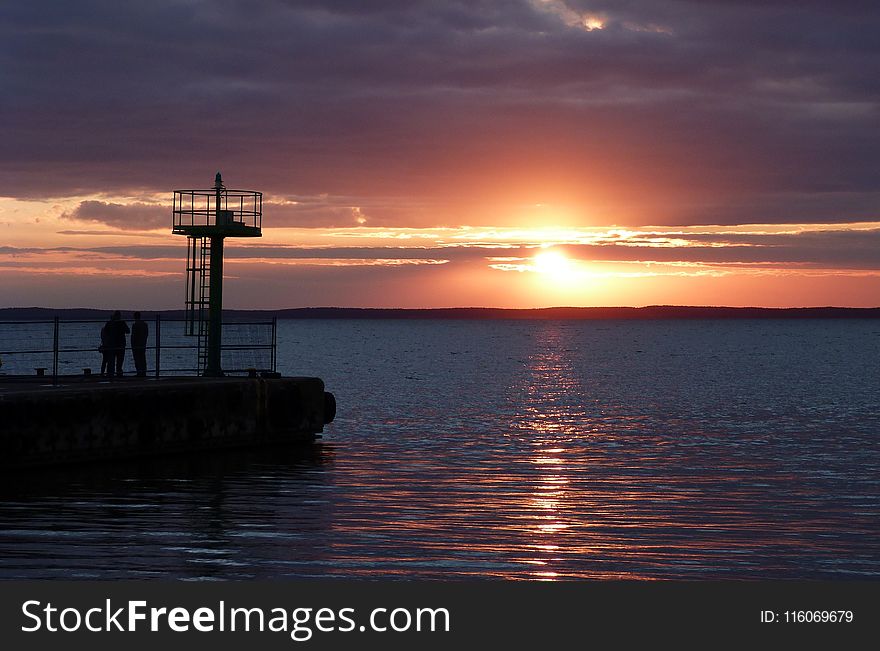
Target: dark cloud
130,217
673,112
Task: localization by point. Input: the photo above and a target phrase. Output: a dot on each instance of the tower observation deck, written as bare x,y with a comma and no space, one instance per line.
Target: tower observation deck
207,217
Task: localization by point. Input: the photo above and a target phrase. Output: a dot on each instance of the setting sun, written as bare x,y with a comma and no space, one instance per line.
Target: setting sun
553,263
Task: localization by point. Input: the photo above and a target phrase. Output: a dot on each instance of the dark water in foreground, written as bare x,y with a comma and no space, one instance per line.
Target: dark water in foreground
711,449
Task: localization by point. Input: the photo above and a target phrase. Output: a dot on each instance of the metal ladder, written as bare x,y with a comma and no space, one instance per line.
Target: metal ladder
198,294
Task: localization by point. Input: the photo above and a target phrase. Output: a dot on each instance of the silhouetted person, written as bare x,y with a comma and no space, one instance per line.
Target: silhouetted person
116,331
139,334
107,358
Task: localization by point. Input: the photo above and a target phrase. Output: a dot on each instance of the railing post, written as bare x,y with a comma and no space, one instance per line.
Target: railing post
274,344
55,354
158,342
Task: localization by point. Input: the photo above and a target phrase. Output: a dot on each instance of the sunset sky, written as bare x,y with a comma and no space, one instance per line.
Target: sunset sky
518,153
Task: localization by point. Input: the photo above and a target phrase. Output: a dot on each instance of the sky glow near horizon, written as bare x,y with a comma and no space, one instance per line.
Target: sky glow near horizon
527,153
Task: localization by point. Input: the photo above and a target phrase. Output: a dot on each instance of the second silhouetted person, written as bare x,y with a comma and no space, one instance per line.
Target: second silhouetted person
139,333
116,331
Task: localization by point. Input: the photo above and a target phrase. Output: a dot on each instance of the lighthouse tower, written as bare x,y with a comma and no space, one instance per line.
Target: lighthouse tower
207,217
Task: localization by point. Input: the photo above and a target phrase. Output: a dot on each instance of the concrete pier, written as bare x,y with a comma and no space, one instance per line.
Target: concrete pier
84,419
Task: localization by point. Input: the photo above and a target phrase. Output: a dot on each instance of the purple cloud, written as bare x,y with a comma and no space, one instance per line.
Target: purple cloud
673,112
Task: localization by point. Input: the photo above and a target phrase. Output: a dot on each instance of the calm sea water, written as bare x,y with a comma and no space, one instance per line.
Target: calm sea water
517,450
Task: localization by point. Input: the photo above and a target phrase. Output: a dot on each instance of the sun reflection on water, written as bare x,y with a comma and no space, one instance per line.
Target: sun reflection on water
549,377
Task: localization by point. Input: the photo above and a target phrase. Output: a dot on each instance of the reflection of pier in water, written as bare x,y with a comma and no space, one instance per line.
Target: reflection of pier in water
224,514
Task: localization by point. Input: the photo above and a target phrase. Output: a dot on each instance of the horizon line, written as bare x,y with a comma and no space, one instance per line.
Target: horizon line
472,307
537,313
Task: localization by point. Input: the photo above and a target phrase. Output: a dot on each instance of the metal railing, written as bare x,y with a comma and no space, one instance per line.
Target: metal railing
199,208
70,347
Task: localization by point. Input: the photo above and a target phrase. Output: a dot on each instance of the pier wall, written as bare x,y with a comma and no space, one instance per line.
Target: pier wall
101,420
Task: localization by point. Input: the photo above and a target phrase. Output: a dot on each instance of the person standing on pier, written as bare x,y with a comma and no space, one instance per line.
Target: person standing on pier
117,329
139,333
107,356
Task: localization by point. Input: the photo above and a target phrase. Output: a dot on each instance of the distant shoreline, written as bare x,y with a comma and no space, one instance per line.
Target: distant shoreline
654,312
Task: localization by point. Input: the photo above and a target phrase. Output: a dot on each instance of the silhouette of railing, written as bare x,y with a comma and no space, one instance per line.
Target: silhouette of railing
69,347
238,208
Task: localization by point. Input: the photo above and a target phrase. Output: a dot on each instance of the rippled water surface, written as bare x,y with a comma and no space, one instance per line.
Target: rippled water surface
662,449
